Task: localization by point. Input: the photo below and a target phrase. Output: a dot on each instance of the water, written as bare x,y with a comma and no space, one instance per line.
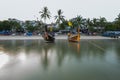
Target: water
37,60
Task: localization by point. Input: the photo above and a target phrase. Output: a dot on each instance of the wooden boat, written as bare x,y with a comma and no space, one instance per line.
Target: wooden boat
74,38
48,37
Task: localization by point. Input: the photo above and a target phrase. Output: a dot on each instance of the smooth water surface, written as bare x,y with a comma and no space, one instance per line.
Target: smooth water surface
62,60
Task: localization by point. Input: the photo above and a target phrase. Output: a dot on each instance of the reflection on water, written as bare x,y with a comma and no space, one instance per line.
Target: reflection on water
22,57
3,59
62,60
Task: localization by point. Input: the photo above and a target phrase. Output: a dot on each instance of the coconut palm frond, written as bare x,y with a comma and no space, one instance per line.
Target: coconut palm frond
56,17
59,17
45,13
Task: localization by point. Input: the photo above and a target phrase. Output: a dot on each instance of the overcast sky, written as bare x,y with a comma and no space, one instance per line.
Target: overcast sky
28,9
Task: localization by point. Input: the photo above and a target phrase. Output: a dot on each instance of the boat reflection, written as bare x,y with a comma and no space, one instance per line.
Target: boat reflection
75,46
51,54
47,53
55,53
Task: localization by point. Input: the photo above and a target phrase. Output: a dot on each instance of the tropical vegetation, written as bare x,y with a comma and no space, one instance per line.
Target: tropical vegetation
86,25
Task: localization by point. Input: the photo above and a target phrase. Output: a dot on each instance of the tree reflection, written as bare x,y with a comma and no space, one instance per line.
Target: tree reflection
66,50
46,54
61,50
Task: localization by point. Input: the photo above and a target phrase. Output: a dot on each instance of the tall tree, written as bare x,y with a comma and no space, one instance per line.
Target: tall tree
102,23
95,24
45,13
89,25
80,20
118,18
59,17
117,22
88,22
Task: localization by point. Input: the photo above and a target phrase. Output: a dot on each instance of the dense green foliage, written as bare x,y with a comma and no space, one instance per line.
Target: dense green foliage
98,25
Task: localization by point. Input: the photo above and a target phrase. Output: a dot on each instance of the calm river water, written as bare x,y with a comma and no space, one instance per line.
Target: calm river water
62,60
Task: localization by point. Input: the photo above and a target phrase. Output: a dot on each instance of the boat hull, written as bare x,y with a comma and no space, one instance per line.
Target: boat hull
49,38
74,38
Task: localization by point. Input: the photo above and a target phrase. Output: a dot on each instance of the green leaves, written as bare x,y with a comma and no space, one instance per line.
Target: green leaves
45,13
60,19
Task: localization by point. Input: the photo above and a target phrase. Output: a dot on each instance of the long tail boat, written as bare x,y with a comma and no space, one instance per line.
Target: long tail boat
74,38
48,36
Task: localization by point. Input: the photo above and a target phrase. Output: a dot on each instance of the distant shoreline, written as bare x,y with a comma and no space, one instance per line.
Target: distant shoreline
57,37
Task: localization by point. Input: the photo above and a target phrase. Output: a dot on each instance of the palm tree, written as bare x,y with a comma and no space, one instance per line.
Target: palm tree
77,22
80,22
88,22
102,23
45,13
95,24
89,25
118,18
117,22
59,17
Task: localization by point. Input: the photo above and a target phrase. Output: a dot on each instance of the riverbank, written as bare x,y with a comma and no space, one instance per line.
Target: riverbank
57,37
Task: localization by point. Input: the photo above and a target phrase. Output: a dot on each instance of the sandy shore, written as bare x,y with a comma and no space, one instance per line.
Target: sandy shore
57,37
